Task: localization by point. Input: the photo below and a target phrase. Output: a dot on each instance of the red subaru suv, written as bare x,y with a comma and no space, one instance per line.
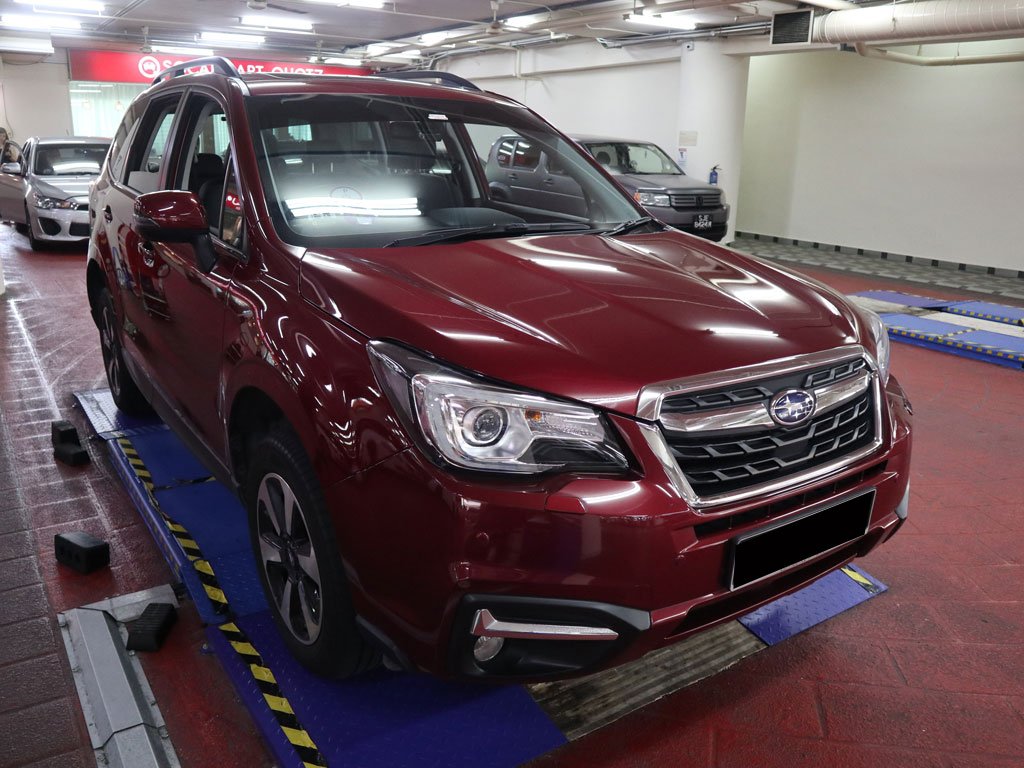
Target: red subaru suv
476,437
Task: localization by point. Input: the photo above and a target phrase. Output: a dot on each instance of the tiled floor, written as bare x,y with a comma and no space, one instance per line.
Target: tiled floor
929,674
893,268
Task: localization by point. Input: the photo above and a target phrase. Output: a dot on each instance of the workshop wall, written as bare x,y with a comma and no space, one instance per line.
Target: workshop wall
34,98
923,161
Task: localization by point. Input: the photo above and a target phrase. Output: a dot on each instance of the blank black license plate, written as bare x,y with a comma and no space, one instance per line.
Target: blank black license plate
775,548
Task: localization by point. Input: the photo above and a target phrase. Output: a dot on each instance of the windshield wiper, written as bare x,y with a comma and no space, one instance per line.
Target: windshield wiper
489,230
628,226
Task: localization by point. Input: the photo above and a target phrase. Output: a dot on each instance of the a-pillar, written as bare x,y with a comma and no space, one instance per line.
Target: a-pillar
712,103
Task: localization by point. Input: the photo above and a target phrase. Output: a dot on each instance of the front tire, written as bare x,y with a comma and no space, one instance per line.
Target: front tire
35,243
298,561
123,388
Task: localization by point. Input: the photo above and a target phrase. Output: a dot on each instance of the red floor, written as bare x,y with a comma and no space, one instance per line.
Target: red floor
929,674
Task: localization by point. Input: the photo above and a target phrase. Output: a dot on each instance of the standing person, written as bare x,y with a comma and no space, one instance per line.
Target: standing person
9,152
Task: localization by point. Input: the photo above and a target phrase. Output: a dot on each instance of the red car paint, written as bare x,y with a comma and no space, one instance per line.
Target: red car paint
583,316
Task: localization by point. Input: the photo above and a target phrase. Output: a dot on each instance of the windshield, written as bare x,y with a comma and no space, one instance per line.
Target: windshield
367,171
69,159
622,157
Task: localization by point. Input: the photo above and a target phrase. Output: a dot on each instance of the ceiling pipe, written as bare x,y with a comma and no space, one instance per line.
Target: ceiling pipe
922,20
753,28
936,61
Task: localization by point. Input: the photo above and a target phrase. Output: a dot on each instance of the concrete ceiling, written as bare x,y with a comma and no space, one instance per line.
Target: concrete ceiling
339,28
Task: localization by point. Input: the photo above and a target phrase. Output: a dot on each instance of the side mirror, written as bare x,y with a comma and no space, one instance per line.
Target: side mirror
14,168
175,216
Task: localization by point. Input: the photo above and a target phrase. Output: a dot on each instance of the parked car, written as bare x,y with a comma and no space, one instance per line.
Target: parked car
478,437
661,186
521,172
46,192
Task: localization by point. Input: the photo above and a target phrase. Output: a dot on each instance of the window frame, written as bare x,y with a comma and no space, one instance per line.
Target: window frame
148,127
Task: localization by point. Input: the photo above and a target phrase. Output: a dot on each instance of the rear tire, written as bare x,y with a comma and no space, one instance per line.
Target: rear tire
123,388
298,561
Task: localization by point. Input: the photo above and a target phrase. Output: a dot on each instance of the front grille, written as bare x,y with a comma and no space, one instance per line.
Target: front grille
696,200
761,390
82,207
716,463
78,230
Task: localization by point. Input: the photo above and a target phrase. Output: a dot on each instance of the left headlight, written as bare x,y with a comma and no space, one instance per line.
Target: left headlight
654,199
478,425
50,203
880,335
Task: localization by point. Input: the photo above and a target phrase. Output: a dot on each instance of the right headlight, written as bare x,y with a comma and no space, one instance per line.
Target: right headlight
880,336
42,201
474,424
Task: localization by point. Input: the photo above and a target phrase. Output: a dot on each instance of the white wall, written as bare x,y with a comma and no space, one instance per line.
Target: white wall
34,99
584,88
925,161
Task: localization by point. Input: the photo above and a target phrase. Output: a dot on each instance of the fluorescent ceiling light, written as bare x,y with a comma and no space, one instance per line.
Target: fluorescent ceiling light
412,53
343,61
522,22
183,50
665,20
231,38
26,45
25,21
277,23
85,6
373,4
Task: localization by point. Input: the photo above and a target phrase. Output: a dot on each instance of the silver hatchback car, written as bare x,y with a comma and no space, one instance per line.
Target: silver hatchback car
46,192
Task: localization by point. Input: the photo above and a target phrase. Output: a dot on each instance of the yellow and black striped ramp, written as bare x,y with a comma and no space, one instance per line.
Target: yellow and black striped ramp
289,725
203,571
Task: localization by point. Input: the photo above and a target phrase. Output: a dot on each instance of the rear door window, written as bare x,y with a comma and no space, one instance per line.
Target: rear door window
149,149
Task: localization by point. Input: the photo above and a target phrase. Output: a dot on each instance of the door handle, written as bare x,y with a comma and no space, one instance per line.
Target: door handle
548,182
108,215
148,254
513,177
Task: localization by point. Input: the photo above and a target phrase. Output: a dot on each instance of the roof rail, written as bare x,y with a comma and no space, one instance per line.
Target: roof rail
446,78
219,64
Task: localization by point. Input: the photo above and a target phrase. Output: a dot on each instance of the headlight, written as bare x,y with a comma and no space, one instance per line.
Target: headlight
477,425
42,201
652,198
880,335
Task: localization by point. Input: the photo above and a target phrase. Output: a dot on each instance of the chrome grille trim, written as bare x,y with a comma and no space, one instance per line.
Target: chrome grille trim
652,397
826,398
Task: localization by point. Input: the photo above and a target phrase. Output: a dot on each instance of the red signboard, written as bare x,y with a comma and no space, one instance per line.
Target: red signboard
121,67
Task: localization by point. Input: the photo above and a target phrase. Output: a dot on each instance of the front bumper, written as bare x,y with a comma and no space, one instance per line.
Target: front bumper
625,554
59,225
686,220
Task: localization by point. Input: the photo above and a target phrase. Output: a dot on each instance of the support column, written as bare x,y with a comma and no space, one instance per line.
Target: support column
712,106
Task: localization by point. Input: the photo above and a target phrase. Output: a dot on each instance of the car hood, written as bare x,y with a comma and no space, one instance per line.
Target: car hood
666,181
62,187
587,317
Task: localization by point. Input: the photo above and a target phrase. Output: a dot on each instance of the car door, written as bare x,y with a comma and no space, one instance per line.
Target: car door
184,305
13,187
561,192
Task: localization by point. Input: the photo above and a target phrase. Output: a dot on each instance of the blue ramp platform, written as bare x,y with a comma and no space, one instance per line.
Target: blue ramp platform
992,336
383,718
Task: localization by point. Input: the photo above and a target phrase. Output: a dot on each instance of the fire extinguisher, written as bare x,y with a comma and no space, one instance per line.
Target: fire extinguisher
713,176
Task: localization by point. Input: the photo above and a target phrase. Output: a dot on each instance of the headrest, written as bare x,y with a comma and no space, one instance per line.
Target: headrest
208,164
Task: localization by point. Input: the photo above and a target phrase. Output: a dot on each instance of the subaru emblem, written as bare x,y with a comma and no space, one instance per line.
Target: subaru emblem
791,407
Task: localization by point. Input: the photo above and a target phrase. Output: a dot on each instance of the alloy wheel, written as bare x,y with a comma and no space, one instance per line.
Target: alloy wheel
288,559
108,346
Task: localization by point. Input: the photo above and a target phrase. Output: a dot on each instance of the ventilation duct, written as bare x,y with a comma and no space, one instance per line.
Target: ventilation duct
929,19
792,27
